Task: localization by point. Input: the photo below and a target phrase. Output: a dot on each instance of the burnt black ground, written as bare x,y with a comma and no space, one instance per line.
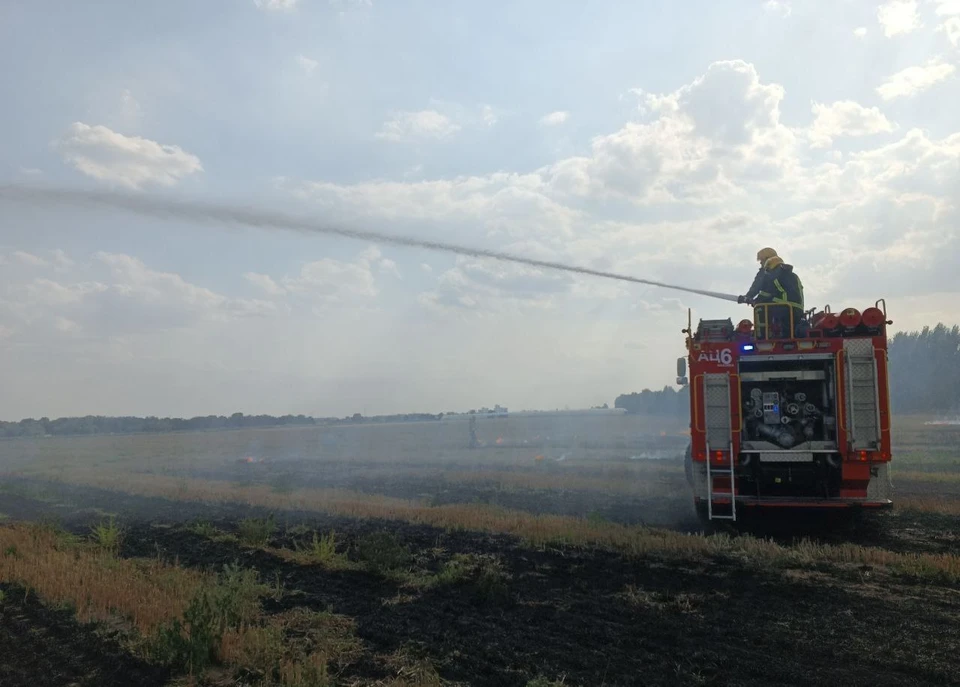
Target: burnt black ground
565,615
43,647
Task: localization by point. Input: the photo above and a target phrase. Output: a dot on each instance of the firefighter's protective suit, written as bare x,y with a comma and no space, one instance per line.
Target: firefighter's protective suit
779,286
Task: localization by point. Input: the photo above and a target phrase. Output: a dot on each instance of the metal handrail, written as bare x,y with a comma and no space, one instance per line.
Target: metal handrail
696,414
765,307
841,391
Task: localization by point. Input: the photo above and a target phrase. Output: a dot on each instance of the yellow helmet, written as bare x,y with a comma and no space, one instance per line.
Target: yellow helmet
765,254
771,264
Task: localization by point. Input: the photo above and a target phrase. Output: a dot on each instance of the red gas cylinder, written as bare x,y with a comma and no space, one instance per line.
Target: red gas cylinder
816,320
850,318
745,327
873,318
829,321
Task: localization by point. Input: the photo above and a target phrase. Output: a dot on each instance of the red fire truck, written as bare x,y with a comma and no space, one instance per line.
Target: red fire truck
791,419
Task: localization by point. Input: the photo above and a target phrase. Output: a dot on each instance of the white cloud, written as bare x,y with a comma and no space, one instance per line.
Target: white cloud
46,292
845,118
898,17
129,161
723,167
387,266
30,171
781,7
30,259
555,118
486,285
724,124
860,31
276,5
332,281
418,126
947,7
440,121
951,27
426,268
65,325
265,282
913,80
61,260
306,64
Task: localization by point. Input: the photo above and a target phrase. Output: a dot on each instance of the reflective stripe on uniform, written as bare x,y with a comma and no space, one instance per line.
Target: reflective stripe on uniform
782,298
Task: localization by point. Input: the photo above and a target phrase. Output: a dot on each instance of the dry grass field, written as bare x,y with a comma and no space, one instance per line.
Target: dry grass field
560,550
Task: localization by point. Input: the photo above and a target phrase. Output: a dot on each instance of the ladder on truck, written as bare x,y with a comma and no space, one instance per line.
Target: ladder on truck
719,431
728,470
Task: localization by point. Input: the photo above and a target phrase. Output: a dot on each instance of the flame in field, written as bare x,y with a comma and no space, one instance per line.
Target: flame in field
539,458
499,441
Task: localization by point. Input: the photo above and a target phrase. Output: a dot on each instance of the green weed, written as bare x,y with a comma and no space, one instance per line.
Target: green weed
204,529
382,552
256,531
458,569
298,530
324,548
485,575
107,535
492,582
231,601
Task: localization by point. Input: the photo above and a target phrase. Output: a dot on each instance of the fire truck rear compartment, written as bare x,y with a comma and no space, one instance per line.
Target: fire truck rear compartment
789,427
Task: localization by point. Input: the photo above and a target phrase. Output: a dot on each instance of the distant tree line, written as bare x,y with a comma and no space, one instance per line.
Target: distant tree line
925,370
668,402
99,424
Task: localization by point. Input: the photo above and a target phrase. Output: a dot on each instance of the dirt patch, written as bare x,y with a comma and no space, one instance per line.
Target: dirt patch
45,647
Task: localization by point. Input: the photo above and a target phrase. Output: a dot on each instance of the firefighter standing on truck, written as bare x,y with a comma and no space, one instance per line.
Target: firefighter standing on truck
778,291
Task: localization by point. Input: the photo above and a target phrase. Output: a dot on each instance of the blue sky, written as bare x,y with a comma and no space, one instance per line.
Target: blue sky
664,140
